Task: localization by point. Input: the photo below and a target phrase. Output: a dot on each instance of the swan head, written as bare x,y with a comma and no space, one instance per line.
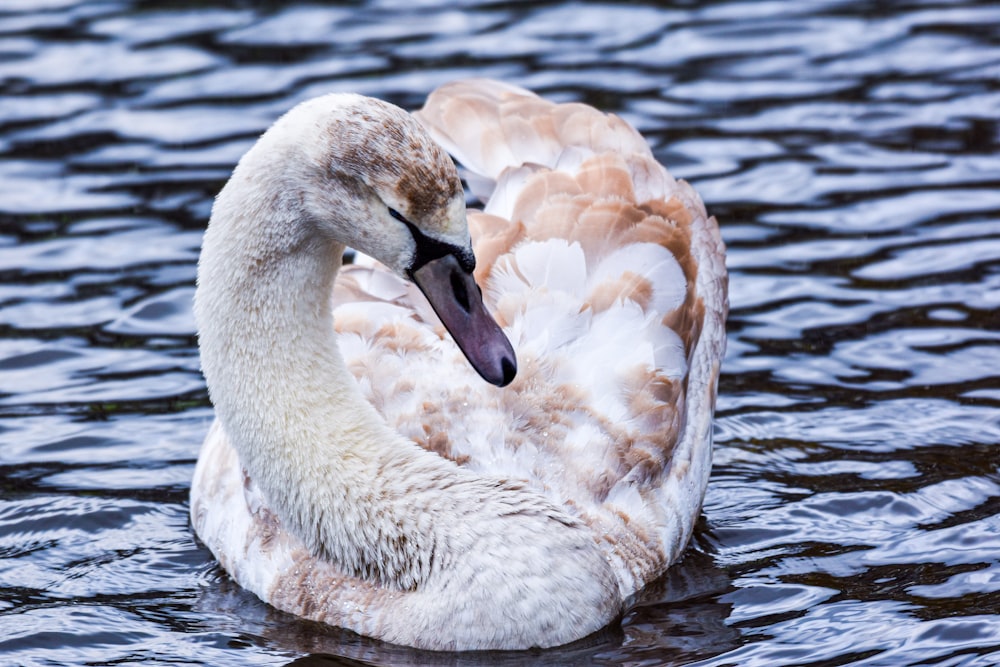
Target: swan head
377,182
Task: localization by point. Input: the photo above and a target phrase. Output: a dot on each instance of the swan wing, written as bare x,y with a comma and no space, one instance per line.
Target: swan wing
608,276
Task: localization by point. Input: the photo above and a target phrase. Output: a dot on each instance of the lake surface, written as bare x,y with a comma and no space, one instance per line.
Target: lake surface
849,150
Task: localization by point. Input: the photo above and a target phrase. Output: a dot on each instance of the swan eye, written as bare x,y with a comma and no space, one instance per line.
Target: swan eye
429,249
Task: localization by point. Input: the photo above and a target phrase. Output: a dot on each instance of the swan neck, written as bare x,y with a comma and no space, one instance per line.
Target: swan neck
303,432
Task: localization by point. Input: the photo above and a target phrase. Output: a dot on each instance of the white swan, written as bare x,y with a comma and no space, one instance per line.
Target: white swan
359,471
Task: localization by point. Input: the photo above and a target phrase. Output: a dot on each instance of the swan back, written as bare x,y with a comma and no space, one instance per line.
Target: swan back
609,279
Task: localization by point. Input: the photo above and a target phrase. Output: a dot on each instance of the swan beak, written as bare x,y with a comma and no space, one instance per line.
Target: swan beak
457,300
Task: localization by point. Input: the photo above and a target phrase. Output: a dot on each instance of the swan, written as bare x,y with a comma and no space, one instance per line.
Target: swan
401,453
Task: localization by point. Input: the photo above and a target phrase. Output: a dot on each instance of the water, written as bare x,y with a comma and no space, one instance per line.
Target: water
849,149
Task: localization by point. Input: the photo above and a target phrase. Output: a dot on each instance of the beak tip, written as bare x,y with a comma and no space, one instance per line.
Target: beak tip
508,369
499,368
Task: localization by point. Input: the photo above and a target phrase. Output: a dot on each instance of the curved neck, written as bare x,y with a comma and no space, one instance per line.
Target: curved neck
304,433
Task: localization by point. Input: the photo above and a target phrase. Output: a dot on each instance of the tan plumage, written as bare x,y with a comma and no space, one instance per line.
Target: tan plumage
609,279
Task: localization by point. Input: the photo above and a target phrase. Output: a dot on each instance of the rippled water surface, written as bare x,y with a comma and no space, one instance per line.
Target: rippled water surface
849,149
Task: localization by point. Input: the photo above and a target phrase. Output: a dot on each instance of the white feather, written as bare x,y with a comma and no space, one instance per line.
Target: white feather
369,478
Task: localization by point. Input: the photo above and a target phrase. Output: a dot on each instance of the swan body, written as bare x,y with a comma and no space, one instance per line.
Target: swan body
360,471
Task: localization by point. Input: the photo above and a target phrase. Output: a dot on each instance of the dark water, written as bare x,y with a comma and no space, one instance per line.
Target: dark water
850,150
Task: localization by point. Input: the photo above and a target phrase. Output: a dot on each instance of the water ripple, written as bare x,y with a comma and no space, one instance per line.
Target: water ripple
850,153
